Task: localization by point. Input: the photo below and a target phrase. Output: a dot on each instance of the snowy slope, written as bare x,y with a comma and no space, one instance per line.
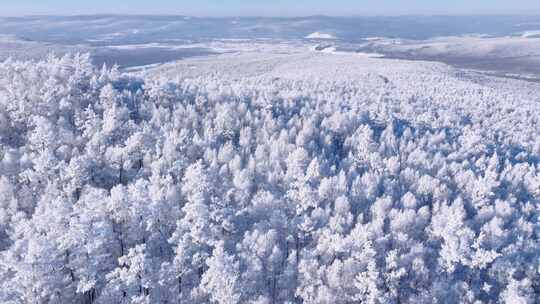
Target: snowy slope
503,44
269,173
518,55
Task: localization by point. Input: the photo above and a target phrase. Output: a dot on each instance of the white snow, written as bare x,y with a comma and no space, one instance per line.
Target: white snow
319,35
531,34
374,38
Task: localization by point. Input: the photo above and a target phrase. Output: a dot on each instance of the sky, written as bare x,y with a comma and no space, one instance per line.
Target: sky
267,7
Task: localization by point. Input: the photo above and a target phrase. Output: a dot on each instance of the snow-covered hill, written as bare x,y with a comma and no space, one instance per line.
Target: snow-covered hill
518,55
267,174
122,29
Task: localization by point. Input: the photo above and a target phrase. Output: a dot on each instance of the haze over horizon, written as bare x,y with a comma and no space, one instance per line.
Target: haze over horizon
213,8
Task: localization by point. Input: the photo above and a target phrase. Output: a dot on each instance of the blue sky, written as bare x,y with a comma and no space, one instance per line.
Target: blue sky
267,7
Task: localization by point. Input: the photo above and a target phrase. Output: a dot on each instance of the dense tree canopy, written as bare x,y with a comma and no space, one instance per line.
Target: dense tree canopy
117,188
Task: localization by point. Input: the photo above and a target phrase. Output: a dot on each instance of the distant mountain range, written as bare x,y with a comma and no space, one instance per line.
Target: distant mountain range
122,29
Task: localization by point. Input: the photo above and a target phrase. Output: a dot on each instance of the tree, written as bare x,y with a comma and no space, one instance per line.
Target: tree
221,280
133,280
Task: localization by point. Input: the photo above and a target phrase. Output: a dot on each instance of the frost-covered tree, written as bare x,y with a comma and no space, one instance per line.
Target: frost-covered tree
320,186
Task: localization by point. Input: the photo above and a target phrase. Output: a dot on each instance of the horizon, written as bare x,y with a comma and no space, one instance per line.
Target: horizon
374,15
278,8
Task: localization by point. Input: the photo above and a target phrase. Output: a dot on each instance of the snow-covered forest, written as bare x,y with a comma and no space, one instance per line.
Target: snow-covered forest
307,178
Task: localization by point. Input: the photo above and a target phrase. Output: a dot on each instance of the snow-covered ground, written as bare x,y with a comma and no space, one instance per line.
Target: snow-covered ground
514,54
499,44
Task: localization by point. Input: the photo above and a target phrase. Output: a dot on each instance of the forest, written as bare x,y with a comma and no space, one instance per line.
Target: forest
389,187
